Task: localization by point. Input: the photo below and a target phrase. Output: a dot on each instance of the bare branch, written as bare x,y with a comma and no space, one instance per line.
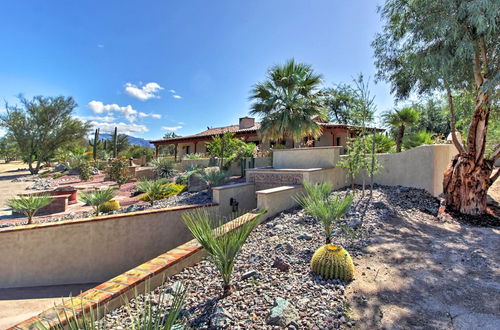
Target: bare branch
454,138
495,177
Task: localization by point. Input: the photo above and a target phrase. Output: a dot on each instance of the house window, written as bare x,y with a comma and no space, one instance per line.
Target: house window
187,150
338,141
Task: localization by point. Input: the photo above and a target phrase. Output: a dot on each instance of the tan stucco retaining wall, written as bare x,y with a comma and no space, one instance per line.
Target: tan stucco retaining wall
420,167
276,200
301,158
87,250
243,193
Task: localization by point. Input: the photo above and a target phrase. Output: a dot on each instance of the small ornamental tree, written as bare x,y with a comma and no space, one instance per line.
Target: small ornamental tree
117,171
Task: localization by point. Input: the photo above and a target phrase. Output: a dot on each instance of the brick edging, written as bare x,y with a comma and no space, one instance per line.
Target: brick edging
116,287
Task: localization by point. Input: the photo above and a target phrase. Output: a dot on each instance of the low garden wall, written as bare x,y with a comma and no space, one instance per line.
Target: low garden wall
301,158
243,194
278,199
88,250
420,167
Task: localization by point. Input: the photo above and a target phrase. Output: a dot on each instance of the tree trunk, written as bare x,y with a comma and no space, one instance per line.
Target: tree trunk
466,184
399,138
227,290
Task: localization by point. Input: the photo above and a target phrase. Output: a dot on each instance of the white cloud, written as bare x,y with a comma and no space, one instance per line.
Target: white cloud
123,128
106,119
177,96
171,128
172,91
128,112
100,46
146,92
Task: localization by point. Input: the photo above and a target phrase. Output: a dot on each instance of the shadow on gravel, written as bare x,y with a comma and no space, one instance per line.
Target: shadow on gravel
417,274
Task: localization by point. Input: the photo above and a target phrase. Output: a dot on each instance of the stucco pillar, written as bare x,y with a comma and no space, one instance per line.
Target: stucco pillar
175,152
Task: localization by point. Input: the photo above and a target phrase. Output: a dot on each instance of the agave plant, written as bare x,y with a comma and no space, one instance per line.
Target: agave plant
223,243
163,168
97,198
317,203
29,204
150,316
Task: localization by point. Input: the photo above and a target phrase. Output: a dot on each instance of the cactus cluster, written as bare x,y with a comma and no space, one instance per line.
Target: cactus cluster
333,262
95,144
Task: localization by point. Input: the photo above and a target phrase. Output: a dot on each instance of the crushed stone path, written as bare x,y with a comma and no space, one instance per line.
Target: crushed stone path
421,274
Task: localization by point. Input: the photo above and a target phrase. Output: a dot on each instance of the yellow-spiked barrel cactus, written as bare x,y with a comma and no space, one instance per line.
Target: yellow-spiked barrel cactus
112,205
333,262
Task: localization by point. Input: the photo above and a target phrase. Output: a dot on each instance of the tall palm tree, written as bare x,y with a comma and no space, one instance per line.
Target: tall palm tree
399,120
289,102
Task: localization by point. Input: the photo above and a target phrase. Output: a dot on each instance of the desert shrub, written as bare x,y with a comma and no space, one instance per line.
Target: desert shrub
29,204
117,171
182,179
223,244
138,151
85,171
163,168
97,198
158,189
109,206
414,140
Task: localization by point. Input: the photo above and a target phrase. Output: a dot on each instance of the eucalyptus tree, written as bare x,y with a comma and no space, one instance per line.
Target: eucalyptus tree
399,121
289,102
42,125
339,101
448,46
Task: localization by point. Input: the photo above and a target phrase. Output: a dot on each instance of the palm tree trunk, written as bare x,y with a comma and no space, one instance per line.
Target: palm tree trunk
399,138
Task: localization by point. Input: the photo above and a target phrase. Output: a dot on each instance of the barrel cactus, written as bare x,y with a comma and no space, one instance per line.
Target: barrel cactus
333,262
112,205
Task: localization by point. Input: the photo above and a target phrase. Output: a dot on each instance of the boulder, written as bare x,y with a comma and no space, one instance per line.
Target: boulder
61,167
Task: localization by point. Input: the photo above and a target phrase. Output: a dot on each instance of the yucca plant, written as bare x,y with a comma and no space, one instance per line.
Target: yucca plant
97,198
317,203
223,243
29,204
150,316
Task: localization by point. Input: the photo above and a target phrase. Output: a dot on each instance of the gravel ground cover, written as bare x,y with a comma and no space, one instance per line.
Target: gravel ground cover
274,285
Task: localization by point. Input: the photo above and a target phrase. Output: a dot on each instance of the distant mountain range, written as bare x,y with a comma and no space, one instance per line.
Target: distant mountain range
132,139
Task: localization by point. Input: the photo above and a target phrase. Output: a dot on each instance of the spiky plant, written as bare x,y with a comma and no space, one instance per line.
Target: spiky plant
213,178
153,189
223,243
97,198
29,204
148,317
163,168
320,206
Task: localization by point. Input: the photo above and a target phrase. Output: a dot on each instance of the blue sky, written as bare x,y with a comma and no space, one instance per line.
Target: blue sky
154,66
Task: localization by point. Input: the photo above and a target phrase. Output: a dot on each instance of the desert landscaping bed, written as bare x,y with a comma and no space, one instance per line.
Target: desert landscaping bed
273,270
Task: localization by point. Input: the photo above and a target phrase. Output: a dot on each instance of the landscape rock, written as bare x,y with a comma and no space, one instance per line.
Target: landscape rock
305,236
283,313
355,223
61,167
220,319
249,274
281,265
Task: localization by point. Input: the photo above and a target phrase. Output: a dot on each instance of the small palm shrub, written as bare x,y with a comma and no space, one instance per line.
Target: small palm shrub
151,315
109,206
117,171
318,204
97,198
223,244
29,204
153,190
213,177
85,171
163,168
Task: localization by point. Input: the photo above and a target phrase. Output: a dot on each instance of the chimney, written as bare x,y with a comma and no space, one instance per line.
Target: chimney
247,122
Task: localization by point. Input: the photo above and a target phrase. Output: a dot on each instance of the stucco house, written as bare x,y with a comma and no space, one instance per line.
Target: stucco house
248,130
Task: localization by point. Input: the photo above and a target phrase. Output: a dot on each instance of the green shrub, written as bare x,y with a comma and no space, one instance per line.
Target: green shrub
213,177
57,175
163,168
417,139
97,198
29,204
158,189
85,171
192,156
117,171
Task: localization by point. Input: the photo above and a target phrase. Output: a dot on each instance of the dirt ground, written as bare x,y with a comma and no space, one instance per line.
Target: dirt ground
9,189
418,274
